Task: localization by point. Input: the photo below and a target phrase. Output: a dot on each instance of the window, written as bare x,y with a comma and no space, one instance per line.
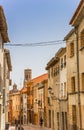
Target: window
82,78
74,118
73,84
71,49
58,69
63,120
66,120
39,102
82,38
65,93
52,72
65,61
58,120
48,100
61,90
48,73
61,63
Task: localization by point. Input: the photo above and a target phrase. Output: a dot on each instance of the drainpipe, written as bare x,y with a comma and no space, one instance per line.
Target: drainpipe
78,79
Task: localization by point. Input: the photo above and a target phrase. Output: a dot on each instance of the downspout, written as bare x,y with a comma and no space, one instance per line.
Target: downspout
78,79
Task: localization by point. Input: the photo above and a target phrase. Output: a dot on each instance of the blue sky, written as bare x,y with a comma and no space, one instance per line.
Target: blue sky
32,21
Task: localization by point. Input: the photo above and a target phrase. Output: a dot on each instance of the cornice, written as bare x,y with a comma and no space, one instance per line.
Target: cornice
78,15
52,62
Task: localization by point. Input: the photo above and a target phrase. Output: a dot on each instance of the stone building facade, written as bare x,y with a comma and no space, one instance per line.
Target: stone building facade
5,68
75,69
57,86
15,107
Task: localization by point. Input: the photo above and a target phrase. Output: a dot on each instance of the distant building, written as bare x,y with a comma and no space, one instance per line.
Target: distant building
27,74
24,105
14,98
15,89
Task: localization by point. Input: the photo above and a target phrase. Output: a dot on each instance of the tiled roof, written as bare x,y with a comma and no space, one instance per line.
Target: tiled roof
35,81
39,79
24,90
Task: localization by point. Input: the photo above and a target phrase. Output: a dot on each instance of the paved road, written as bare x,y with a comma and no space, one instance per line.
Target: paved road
11,127
34,127
30,127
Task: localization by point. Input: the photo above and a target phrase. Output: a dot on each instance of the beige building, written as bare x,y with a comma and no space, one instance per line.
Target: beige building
57,86
53,95
24,105
7,83
15,106
75,69
43,100
61,54
3,69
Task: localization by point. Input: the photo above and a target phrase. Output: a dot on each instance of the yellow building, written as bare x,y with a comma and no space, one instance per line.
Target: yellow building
75,69
29,102
14,97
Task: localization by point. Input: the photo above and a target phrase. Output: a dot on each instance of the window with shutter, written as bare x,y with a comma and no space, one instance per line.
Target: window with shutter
71,49
73,84
82,78
82,39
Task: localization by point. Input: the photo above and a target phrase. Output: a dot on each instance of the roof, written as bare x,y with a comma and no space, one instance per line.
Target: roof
52,62
69,34
39,79
60,52
76,17
55,59
3,26
24,90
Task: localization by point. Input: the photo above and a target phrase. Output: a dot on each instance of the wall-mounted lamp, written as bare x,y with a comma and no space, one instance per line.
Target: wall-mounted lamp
50,89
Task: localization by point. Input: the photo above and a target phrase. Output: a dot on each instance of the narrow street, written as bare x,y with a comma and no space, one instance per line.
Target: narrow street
30,127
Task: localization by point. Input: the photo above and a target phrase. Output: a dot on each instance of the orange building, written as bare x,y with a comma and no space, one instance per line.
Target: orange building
33,105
